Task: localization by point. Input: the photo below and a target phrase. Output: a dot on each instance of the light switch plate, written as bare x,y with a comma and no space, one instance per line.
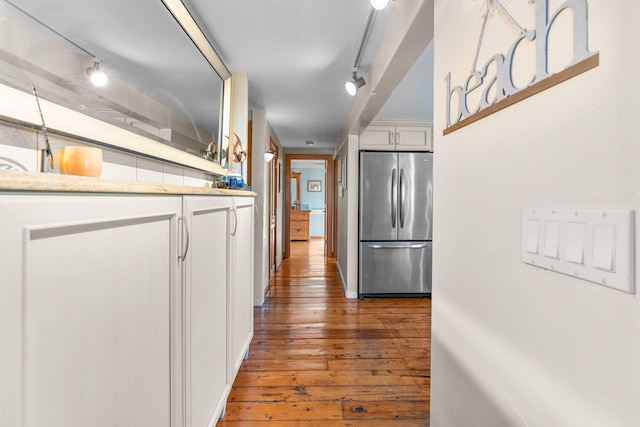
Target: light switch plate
597,245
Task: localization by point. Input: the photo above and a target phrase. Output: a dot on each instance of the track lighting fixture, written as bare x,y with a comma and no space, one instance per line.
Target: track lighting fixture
97,75
379,4
353,85
356,83
268,156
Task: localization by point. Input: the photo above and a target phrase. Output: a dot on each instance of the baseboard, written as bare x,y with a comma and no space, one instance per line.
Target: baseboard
347,294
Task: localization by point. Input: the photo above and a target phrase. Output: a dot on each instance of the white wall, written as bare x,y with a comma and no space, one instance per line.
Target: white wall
513,344
347,244
260,177
412,99
260,184
280,208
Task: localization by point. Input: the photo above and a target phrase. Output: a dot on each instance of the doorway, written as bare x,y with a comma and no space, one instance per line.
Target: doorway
274,189
311,192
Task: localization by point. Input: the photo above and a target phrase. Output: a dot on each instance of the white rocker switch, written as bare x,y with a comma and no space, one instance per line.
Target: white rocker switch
551,239
604,243
532,237
575,242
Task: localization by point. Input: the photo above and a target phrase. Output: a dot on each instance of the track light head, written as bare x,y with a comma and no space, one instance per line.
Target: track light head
97,75
379,4
353,85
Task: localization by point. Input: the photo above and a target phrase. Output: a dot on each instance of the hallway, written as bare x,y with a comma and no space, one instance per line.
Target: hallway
318,359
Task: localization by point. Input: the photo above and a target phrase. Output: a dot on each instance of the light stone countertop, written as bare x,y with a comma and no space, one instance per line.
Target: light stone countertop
46,182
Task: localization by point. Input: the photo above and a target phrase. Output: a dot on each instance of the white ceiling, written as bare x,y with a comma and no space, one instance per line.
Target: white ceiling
297,55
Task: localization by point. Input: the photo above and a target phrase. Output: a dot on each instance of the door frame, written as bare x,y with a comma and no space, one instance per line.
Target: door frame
329,247
273,208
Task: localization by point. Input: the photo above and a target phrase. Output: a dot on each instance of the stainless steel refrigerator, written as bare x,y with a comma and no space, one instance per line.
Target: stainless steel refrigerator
396,222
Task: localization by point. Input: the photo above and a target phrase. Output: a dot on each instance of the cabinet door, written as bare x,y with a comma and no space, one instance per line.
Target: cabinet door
378,138
205,307
413,138
86,296
241,283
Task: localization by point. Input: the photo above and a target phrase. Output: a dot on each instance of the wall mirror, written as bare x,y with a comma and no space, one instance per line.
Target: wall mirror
295,189
160,84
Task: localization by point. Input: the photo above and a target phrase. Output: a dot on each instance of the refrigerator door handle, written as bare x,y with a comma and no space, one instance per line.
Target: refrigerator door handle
401,202
403,246
393,199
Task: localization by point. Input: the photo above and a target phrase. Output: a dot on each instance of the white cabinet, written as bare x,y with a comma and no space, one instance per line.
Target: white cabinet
87,310
397,137
205,307
240,283
122,310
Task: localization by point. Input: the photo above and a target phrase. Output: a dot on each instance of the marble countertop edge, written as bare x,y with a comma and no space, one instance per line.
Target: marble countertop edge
46,182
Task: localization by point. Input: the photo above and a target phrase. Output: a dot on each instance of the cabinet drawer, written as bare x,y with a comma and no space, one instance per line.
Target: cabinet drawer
299,224
378,137
413,138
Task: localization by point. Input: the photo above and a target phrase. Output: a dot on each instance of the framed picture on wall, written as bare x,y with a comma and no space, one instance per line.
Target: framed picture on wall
314,186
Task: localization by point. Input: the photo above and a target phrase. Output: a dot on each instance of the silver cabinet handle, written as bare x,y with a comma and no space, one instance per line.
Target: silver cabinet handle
414,246
235,221
186,230
397,138
391,135
393,199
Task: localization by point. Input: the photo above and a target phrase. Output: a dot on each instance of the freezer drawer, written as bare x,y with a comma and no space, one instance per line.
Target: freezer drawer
395,268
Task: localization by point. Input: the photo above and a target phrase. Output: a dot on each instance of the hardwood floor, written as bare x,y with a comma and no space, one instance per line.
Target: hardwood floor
319,359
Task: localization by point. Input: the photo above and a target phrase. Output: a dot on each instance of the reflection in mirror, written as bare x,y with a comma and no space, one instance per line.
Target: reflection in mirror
160,86
295,189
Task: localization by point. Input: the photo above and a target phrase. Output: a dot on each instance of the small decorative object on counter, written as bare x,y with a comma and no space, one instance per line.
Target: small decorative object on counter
233,180
83,161
236,182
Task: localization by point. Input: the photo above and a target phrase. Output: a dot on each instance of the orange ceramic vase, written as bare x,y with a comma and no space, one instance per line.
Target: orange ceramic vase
83,161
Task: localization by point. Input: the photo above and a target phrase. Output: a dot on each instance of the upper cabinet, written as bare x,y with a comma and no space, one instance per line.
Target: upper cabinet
398,136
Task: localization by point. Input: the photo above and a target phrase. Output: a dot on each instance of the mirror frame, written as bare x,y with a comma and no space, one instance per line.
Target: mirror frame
18,108
182,16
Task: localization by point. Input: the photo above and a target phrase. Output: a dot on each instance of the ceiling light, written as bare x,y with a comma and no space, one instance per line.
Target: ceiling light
352,86
379,4
268,156
97,76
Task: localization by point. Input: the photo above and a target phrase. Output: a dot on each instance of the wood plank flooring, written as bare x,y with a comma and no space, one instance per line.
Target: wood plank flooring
319,359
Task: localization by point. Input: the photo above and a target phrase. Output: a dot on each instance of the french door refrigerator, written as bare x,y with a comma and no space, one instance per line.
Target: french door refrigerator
395,209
